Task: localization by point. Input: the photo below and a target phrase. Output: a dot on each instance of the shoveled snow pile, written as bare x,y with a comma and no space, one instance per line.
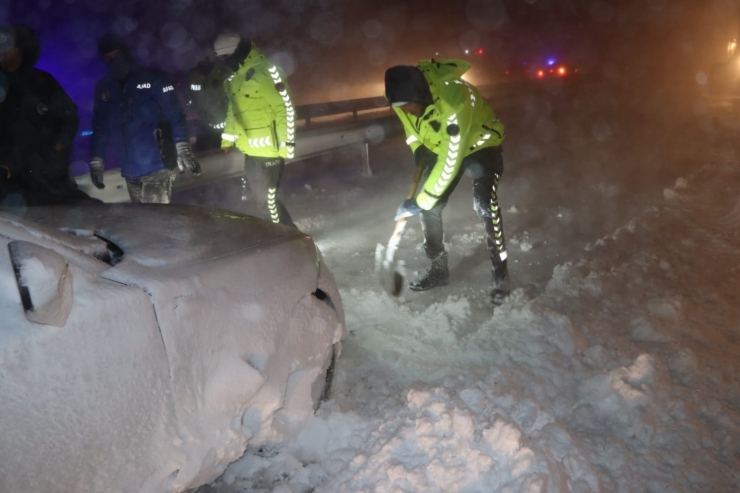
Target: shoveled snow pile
623,375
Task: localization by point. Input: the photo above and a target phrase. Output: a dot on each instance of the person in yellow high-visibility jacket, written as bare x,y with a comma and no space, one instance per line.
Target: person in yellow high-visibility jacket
260,120
450,128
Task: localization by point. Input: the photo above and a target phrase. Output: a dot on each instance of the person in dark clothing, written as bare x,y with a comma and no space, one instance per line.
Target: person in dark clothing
138,106
206,95
38,122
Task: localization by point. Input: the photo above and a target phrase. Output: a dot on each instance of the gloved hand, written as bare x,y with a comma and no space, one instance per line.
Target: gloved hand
97,168
424,156
186,159
407,208
287,150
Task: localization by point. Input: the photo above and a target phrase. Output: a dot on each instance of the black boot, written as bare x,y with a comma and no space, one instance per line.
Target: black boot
500,289
437,275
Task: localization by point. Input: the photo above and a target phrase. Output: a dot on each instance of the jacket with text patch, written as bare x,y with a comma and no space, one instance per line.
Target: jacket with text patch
130,114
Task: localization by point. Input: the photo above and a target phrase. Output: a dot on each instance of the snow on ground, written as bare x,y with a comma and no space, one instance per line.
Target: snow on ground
613,366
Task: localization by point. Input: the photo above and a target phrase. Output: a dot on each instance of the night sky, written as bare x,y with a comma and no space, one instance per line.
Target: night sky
339,49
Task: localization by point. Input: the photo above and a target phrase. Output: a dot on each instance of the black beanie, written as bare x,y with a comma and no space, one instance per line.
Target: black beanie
27,41
112,42
407,84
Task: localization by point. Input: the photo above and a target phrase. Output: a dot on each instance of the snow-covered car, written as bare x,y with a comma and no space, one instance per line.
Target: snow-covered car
143,347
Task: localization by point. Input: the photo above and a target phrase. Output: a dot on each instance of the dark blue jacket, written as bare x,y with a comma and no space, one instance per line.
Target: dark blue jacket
129,113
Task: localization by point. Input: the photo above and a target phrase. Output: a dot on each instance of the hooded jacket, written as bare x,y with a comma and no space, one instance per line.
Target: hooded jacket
260,119
131,113
458,123
38,123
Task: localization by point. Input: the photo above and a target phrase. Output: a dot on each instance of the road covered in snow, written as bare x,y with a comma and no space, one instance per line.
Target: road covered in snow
615,364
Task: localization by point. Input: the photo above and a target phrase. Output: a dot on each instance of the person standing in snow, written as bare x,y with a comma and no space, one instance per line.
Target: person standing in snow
138,106
260,120
38,122
450,128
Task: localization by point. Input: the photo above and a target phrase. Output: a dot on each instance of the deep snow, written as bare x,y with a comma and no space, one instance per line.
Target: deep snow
613,366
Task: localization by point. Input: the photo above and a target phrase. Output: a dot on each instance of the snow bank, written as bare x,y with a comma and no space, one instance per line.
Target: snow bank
622,375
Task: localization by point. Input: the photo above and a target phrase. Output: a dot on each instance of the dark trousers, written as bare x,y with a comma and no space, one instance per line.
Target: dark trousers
486,167
263,174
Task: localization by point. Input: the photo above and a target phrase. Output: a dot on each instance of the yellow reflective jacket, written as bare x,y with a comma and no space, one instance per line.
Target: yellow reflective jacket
459,123
260,119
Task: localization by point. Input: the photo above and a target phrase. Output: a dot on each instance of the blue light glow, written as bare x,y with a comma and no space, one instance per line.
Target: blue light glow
551,62
86,133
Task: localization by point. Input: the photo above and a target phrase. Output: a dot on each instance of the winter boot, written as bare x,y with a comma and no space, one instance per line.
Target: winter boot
437,275
500,289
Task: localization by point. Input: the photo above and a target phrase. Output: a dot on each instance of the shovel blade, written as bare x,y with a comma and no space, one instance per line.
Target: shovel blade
390,271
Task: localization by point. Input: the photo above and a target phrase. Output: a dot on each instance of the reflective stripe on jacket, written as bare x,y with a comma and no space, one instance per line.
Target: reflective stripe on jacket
459,123
260,120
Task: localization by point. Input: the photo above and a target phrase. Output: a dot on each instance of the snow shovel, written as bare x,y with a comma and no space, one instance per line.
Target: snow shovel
391,271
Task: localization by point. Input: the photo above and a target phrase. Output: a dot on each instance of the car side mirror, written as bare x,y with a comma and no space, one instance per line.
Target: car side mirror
44,283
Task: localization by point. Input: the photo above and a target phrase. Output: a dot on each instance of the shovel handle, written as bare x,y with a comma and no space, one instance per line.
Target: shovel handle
401,223
417,179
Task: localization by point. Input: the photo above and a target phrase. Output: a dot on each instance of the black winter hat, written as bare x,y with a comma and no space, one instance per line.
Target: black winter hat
112,42
406,84
27,41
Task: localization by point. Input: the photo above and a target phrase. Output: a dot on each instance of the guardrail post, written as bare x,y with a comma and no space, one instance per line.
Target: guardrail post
366,170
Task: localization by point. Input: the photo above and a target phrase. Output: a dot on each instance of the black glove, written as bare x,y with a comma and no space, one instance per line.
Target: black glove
186,159
97,168
424,156
407,208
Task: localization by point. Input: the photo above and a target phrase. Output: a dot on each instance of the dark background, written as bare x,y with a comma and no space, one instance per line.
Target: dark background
339,49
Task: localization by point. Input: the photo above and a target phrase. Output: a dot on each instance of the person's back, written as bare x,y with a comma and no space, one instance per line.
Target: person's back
450,129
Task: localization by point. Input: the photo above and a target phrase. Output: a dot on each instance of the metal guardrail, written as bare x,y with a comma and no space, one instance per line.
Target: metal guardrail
354,106
313,140
219,166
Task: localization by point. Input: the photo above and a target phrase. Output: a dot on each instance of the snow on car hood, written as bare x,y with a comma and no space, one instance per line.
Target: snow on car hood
245,338
153,235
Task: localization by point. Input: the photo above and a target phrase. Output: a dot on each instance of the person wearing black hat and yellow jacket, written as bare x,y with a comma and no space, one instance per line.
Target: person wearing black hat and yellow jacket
450,128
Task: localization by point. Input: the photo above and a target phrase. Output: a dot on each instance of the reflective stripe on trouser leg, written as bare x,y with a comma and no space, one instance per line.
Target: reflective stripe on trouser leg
498,225
272,205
